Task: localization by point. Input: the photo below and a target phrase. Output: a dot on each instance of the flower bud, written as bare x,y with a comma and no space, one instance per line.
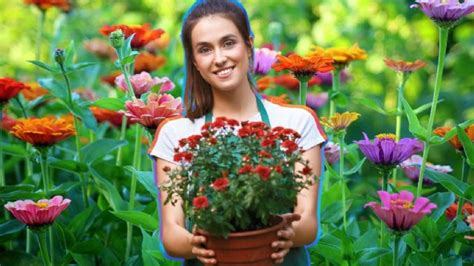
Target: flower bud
59,56
117,38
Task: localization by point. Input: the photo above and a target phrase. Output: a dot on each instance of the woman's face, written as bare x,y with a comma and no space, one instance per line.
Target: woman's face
220,53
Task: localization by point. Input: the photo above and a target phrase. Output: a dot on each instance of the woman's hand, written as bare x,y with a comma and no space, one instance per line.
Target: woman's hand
206,256
283,245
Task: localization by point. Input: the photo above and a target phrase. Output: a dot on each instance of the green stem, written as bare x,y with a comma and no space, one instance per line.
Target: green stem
43,247
398,124
23,109
44,170
385,176
39,37
395,249
133,185
28,240
443,43
51,244
126,75
464,174
123,130
336,83
343,182
303,91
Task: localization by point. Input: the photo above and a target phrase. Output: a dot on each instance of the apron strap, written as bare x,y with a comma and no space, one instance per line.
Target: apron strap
261,110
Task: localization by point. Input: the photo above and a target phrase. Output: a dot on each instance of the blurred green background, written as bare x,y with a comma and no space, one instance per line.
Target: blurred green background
384,28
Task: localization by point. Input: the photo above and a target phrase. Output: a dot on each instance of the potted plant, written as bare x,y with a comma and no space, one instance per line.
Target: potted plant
234,179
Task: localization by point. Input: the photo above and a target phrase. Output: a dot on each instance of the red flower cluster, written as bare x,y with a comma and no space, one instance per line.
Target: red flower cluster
192,141
180,156
143,34
200,202
453,208
9,88
263,171
221,184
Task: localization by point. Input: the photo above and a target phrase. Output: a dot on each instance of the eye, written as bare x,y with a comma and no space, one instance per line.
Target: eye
204,50
229,43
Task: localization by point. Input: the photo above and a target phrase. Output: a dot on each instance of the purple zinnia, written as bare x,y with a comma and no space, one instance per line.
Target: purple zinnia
411,168
385,151
398,211
315,101
446,12
264,59
332,152
326,78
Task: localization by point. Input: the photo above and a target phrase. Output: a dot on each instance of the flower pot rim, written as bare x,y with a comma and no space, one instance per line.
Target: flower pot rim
280,224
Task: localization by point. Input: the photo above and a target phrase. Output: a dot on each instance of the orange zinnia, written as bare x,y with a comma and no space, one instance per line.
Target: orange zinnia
9,88
100,48
339,122
104,115
44,5
143,34
264,82
342,56
281,99
33,91
291,83
304,67
43,132
404,66
441,131
148,62
110,79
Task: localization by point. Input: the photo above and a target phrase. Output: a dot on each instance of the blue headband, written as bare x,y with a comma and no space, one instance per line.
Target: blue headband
183,22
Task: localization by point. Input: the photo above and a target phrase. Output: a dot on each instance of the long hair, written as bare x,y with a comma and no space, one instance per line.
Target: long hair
197,92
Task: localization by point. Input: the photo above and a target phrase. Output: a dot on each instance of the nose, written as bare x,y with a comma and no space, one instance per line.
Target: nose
220,58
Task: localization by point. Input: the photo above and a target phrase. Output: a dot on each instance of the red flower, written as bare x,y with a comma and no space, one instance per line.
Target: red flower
200,202
193,140
244,132
265,154
9,88
7,122
306,170
263,171
278,169
219,123
221,184
143,34
166,168
186,156
44,5
289,146
268,142
212,141
289,82
245,169
452,210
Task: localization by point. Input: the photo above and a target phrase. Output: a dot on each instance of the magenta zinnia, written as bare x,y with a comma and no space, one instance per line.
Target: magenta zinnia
399,212
157,108
264,59
143,82
40,213
445,12
411,168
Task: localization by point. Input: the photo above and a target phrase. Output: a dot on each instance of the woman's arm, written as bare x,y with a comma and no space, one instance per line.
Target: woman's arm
177,241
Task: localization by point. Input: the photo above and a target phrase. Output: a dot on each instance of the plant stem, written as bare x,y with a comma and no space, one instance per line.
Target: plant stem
464,174
336,83
133,185
44,170
385,176
43,247
28,240
395,249
303,91
39,37
443,43
123,130
343,182
403,77
126,75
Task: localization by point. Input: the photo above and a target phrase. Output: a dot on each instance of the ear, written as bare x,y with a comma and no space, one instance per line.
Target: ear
250,48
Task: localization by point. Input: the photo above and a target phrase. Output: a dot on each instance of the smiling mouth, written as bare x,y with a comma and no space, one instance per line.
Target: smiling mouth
223,73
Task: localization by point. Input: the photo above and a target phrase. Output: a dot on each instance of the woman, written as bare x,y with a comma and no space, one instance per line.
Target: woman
218,45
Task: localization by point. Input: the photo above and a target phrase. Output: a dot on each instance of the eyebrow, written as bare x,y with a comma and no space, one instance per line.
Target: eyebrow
223,38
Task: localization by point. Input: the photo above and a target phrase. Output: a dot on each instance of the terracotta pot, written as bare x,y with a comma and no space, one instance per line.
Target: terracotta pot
250,248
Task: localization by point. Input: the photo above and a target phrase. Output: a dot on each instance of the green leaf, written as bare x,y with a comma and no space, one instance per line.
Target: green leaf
62,189
138,218
449,182
90,246
9,229
367,240
443,200
16,192
467,144
127,46
413,123
469,193
70,53
82,111
369,254
329,248
82,259
82,222
68,165
332,213
145,178
108,190
44,66
99,149
80,66
371,104
19,258
114,104
129,59
424,107
14,149
54,87
356,168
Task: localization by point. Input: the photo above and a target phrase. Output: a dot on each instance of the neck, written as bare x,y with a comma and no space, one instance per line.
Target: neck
239,104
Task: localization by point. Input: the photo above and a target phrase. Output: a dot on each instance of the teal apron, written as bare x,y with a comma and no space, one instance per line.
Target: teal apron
297,256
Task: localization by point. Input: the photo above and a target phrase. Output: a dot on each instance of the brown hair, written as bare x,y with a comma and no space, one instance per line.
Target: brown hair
198,99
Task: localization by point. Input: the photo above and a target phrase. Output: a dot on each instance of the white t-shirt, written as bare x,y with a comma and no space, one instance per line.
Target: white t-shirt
297,117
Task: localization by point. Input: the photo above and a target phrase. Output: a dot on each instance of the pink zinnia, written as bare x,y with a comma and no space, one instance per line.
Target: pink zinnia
316,100
37,214
445,12
398,211
143,82
411,168
332,152
264,59
157,108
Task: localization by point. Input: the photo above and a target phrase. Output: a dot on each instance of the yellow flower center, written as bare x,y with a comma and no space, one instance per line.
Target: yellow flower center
386,136
402,203
42,205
